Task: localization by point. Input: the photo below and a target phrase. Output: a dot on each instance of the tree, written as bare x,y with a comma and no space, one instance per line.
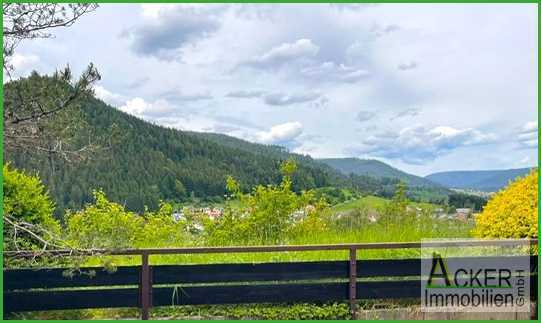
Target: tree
29,105
512,212
288,168
42,114
399,203
265,215
103,224
180,190
107,225
28,219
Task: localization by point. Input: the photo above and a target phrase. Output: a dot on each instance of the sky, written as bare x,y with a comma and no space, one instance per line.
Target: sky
423,87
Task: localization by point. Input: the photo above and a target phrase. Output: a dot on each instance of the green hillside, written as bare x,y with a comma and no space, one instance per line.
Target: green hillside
150,163
486,180
273,151
376,169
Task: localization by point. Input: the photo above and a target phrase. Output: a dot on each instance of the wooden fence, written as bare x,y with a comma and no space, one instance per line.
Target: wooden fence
146,286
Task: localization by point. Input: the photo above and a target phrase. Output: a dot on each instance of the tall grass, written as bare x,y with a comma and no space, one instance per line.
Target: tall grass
398,231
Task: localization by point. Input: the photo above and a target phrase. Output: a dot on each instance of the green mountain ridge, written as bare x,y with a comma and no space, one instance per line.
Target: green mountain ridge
481,180
376,169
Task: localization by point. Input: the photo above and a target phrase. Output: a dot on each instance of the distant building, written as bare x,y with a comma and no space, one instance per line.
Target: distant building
415,209
214,213
309,209
463,214
302,213
177,216
464,211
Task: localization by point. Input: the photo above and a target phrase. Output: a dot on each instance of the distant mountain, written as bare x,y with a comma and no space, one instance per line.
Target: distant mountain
481,180
377,169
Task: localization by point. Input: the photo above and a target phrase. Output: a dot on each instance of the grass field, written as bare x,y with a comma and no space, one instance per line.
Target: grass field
394,231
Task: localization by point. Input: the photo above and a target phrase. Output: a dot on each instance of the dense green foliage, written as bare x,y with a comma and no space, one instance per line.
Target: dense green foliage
267,214
271,214
286,311
486,180
26,203
107,225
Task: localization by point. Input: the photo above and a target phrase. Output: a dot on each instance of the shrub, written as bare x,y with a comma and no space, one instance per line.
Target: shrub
103,224
265,215
160,230
512,212
26,202
108,225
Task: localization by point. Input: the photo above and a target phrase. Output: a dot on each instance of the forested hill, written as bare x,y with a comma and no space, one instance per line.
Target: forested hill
376,169
147,163
482,180
273,151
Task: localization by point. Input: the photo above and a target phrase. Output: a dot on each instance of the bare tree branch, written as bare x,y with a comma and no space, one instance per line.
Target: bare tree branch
34,20
47,246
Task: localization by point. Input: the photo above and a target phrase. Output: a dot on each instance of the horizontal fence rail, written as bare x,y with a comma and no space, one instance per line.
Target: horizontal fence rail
146,286
316,247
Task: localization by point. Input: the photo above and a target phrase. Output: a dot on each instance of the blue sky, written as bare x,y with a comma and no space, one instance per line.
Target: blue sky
424,87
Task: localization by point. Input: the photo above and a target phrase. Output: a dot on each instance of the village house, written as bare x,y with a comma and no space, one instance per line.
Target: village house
463,214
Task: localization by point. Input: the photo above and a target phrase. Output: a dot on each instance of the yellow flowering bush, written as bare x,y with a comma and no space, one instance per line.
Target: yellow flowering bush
512,212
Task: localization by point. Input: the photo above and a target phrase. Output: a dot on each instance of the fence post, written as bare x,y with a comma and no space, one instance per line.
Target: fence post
145,287
353,282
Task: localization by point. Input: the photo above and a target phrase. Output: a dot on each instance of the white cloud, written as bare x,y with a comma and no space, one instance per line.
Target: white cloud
22,65
528,136
530,126
279,98
418,144
24,62
332,72
281,134
108,97
143,109
284,53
